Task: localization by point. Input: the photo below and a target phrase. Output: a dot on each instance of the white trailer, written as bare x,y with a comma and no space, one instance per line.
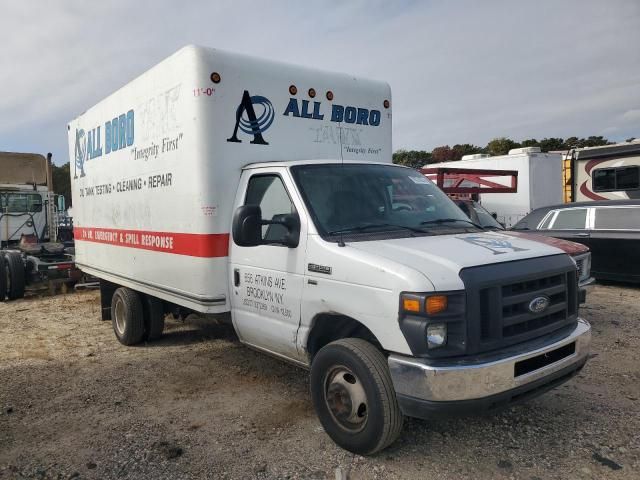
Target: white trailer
539,181
264,193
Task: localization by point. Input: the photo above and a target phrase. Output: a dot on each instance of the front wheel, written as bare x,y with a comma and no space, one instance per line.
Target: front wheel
353,396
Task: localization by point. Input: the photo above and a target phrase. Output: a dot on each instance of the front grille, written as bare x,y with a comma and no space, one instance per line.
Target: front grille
499,296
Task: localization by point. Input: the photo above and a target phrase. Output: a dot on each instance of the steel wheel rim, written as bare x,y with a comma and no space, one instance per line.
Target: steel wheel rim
346,399
119,315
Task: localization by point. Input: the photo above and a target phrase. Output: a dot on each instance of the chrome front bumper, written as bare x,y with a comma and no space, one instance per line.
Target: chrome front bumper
483,381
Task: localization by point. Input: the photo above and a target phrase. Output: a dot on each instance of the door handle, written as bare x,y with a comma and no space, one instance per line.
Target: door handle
583,234
236,277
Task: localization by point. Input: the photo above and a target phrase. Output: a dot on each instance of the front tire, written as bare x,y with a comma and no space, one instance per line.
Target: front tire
353,396
16,276
127,316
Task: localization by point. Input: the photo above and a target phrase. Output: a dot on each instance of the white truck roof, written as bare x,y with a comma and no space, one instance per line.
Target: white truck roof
162,157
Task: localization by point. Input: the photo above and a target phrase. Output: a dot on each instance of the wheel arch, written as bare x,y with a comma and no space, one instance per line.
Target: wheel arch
328,327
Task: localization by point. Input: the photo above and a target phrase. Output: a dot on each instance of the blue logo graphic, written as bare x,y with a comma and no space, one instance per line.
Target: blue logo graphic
118,135
497,245
80,152
253,124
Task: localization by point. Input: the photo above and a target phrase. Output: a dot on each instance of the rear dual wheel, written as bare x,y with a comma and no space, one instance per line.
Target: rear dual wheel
353,396
136,317
127,316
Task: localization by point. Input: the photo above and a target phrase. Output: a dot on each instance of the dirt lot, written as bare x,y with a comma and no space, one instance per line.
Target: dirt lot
197,404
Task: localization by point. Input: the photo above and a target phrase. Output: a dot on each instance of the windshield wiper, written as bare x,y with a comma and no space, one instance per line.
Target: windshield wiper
451,220
368,226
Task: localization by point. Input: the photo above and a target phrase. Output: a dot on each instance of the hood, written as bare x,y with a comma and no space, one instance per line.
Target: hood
571,248
440,258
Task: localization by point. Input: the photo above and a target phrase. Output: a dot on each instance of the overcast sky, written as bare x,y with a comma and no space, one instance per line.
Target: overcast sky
460,71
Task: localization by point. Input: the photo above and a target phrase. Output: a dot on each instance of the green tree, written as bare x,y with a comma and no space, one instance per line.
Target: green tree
412,158
530,142
501,146
594,141
549,144
444,153
460,150
62,182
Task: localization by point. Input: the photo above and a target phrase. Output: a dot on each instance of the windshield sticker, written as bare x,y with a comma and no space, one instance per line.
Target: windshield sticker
498,245
419,180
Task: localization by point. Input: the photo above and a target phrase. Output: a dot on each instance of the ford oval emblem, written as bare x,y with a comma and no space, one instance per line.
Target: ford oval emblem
539,304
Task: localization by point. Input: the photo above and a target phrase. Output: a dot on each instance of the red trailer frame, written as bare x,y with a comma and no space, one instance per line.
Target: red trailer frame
477,176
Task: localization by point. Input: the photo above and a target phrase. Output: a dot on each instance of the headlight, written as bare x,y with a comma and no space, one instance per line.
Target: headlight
434,323
436,335
583,264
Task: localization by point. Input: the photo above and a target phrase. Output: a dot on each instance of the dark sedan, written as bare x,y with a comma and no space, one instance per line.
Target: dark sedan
611,230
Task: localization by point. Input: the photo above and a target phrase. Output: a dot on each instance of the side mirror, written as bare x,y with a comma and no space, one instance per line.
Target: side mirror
291,222
246,227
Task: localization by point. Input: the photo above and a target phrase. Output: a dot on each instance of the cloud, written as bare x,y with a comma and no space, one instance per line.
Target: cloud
460,71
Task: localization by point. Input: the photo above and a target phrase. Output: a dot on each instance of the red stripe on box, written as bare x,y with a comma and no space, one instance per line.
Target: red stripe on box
191,244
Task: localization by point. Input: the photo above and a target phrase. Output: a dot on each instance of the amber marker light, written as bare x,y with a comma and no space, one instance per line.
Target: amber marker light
411,305
215,77
329,95
386,104
436,304
293,89
312,92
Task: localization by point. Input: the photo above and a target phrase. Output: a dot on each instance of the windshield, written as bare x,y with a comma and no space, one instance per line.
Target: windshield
485,218
364,201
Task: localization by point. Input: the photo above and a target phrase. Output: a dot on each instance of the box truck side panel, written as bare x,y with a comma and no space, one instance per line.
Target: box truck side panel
156,165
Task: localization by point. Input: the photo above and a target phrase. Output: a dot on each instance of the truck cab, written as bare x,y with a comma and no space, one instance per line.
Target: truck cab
469,318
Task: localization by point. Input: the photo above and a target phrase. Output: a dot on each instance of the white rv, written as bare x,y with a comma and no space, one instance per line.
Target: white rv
539,181
610,172
264,194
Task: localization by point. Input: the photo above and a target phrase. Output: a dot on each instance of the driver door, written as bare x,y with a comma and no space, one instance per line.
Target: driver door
267,280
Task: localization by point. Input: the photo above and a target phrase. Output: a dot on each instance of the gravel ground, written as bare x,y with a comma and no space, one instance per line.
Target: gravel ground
197,404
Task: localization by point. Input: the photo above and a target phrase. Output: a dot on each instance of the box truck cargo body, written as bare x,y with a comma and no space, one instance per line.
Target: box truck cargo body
157,164
264,194
539,181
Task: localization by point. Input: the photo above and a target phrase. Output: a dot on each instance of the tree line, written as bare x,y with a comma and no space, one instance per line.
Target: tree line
497,146
417,158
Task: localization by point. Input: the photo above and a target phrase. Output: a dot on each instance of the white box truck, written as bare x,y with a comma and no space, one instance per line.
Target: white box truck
264,193
539,181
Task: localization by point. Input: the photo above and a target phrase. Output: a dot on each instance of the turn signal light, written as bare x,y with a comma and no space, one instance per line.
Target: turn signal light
436,304
411,305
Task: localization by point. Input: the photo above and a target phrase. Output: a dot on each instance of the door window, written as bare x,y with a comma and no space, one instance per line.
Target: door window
270,194
617,218
573,219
